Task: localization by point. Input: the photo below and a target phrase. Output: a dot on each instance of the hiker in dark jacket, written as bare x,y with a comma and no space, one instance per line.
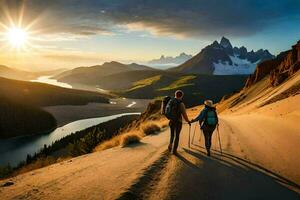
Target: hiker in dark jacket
176,120
208,120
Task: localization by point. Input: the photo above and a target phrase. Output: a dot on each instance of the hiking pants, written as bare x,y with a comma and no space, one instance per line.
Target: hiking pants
208,131
175,131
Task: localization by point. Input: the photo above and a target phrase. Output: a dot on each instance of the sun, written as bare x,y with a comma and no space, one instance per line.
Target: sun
17,37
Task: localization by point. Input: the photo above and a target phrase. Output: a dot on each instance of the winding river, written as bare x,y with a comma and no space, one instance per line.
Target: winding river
15,150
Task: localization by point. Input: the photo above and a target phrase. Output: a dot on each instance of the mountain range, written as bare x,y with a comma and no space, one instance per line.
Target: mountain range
221,58
141,82
177,60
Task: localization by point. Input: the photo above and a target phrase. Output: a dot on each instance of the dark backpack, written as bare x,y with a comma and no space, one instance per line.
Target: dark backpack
164,103
172,111
211,118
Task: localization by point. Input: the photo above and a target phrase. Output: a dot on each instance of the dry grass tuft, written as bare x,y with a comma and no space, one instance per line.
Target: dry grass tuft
150,128
133,134
109,144
130,138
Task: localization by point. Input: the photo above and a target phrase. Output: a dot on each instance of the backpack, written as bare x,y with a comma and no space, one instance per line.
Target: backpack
172,111
211,118
164,103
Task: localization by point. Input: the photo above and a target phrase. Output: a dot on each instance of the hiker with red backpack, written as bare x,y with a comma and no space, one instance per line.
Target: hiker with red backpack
208,120
174,110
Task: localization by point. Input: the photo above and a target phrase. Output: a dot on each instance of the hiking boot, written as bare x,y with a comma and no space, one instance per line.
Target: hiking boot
208,153
170,148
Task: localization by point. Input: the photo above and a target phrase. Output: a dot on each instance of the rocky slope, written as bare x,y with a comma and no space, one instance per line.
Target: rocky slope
280,68
224,59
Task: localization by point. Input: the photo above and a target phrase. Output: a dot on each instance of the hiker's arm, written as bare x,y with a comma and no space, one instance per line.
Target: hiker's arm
200,117
183,111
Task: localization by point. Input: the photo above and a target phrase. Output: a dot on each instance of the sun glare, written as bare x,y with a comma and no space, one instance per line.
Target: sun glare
17,37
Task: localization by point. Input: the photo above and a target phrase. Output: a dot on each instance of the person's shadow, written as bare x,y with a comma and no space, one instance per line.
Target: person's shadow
229,177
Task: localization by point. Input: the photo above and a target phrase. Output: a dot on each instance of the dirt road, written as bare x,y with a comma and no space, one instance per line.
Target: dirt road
252,166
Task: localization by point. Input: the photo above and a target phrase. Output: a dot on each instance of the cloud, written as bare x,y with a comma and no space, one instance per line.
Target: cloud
185,18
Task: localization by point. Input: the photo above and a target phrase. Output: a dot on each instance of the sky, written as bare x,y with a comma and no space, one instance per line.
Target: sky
73,33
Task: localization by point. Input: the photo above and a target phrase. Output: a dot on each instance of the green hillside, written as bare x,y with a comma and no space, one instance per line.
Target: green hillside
197,88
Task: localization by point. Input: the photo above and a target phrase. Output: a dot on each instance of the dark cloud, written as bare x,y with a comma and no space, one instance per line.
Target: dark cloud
180,17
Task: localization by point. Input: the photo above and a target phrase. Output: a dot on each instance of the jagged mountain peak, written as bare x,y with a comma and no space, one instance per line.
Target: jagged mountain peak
225,43
224,59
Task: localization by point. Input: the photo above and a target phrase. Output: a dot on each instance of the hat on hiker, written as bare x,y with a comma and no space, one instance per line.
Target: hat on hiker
179,94
209,103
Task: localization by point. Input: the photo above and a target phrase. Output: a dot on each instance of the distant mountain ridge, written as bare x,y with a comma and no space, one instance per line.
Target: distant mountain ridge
224,59
18,74
183,57
100,74
9,72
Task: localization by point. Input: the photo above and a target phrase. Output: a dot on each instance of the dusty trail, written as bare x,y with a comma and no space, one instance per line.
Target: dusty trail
250,168
239,173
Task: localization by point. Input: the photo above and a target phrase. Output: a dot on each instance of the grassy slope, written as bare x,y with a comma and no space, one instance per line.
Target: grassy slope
196,88
183,81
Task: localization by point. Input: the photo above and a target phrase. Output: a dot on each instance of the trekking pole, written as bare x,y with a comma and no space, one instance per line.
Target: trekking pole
194,134
189,136
219,139
201,132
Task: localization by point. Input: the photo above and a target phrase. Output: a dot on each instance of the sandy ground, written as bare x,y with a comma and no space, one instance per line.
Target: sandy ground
69,113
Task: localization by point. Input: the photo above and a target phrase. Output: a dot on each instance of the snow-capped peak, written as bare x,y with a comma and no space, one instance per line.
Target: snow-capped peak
239,66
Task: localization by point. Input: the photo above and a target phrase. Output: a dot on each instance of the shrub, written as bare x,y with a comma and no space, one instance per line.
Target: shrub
109,144
130,138
150,128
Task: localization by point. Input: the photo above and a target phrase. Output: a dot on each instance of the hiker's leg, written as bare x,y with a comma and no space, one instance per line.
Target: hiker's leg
207,139
172,133
209,136
177,131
